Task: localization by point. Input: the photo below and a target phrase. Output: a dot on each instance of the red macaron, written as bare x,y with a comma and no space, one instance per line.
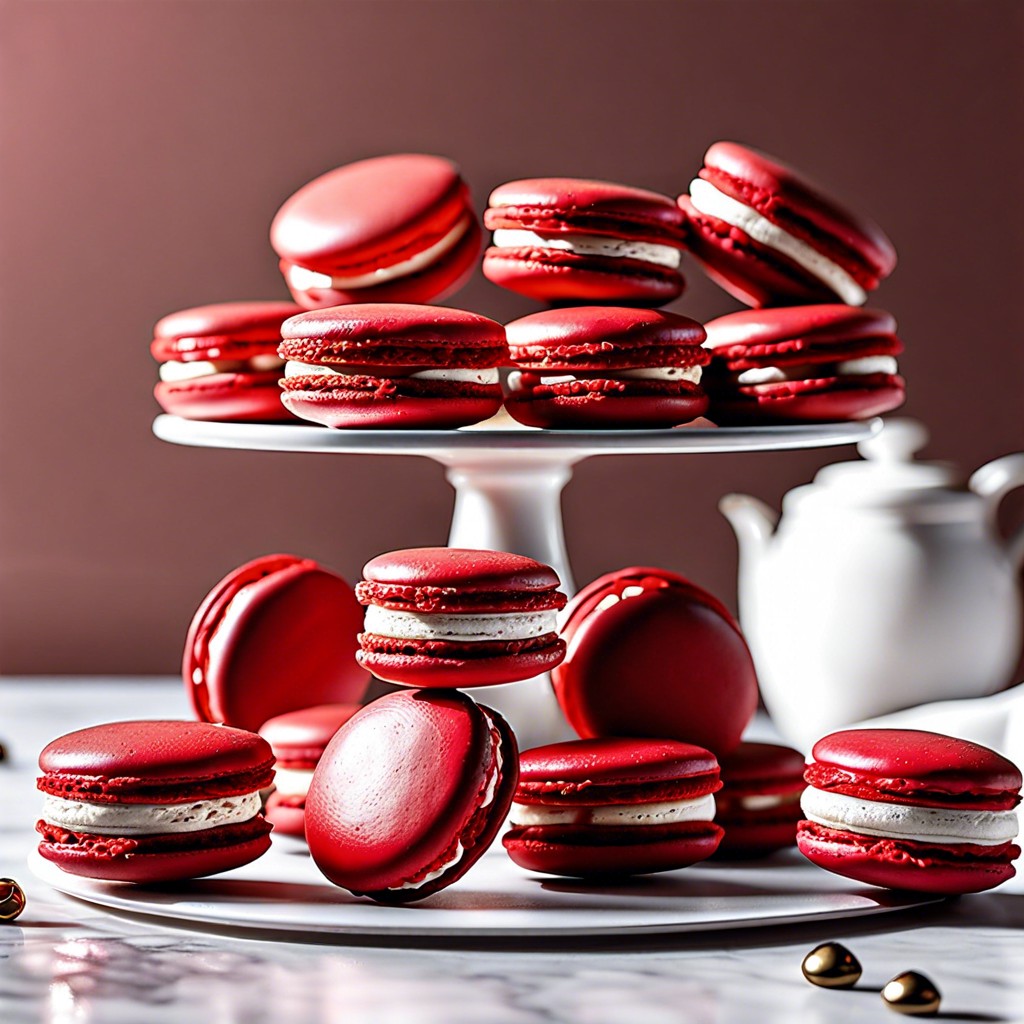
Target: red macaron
409,794
591,808
759,803
298,740
910,810
648,653
220,362
771,237
453,617
569,239
153,801
392,366
804,364
605,366
397,228
275,635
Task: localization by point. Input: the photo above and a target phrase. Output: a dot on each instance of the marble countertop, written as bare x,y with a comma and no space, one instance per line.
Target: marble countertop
67,962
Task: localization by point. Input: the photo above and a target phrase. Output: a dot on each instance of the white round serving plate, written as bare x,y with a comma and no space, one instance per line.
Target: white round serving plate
284,893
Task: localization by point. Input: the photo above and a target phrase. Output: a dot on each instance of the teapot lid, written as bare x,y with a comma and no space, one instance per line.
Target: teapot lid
889,477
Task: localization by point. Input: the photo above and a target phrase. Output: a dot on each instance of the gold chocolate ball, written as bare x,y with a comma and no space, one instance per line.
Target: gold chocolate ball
913,994
12,900
831,965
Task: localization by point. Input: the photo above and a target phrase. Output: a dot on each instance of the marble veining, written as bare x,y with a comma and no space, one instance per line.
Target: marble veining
66,962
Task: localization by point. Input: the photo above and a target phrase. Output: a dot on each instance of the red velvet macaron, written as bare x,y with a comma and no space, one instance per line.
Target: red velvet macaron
759,803
409,794
397,228
613,807
569,239
452,617
298,740
605,366
276,634
392,366
804,364
648,653
220,362
911,810
153,801
771,237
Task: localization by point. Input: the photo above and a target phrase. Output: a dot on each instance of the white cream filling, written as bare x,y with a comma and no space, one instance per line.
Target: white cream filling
468,628
486,801
766,801
590,245
845,368
700,808
485,376
176,371
670,373
304,280
149,819
710,201
906,821
292,781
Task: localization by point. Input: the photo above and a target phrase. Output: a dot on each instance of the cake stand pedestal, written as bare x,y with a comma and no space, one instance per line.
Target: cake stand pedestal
508,484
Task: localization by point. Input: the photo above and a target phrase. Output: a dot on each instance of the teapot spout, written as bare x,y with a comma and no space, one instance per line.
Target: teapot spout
753,522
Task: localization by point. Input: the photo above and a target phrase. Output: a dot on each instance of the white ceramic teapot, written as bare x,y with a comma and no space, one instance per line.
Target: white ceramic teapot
886,585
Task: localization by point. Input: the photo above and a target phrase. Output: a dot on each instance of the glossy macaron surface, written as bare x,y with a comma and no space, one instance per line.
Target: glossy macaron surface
409,793
276,634
651,654
300,736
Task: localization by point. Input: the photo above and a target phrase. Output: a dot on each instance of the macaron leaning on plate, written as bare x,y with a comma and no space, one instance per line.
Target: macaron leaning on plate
398,228
648,653
910,810
275,635
452,617
605,366
298,740
759,802
803,364
153,801
592,808
576,240
771,237
220,362
409,794
392,366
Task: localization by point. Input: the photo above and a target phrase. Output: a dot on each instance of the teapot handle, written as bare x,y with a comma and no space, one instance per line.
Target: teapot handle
995,480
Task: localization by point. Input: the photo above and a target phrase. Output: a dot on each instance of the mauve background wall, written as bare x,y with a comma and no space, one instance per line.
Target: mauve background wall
146,146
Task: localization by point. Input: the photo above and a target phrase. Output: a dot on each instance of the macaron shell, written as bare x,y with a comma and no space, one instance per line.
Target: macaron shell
451,671
813,325
554,275
201,326
673,648
288,818
225,397
399,786
289,644
904,865
153,868
364,411
438,280
303,734
579,852
461,570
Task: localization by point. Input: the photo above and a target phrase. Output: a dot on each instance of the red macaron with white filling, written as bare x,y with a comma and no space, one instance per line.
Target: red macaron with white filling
409,794
392,366
596,808
771,237
454,617
578,240
220,362
397,228
298,740
803,364
907,809
605,366
154,801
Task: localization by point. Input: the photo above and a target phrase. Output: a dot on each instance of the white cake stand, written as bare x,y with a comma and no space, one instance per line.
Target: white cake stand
508,482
